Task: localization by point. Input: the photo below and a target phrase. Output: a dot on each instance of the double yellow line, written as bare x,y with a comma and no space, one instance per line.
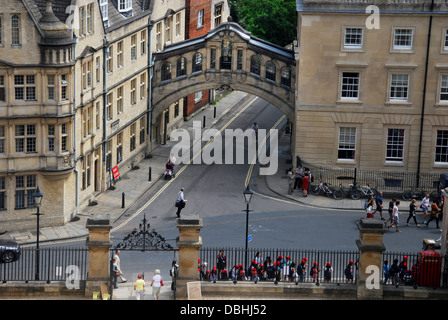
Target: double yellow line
154,197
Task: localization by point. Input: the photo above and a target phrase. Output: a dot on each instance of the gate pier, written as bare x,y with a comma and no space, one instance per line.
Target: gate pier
188,242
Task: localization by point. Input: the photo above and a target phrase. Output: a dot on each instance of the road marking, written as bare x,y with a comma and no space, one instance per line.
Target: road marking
181,169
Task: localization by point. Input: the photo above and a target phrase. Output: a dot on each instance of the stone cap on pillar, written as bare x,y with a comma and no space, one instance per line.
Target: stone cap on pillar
99,221
371,225
191,220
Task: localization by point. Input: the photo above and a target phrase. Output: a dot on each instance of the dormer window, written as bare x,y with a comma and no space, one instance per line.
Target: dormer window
124,5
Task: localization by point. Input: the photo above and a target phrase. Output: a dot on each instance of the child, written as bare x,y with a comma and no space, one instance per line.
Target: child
327,272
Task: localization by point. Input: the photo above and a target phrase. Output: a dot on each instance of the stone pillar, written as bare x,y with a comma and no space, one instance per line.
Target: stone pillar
99,244
371,247
188,242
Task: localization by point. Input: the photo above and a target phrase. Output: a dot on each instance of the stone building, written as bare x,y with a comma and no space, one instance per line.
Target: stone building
372,85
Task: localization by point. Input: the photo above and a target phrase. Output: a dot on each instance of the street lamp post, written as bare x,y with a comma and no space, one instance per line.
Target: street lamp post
37,196
247,197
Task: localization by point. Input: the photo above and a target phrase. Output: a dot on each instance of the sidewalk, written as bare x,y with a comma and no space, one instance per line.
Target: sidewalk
278,184
133,184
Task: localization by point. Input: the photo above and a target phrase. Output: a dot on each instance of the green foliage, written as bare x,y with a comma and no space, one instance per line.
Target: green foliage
271,20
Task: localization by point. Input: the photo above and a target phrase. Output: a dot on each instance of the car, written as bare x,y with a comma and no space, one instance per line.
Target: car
9,250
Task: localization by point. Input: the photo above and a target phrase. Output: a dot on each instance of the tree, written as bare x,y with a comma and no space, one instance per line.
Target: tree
271,20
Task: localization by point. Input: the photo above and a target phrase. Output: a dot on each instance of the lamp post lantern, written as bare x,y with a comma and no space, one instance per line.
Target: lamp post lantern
37,197
247,197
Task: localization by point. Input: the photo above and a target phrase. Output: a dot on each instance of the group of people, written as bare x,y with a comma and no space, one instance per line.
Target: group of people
430,212
399,273
299,178
280,269
139,285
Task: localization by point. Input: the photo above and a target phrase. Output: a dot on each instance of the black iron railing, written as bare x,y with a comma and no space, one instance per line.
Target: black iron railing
55,264
424,269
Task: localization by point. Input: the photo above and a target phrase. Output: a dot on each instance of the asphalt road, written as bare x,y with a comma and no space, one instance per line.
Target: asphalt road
215,193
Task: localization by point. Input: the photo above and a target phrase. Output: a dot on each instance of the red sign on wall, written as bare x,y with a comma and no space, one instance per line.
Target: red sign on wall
115,172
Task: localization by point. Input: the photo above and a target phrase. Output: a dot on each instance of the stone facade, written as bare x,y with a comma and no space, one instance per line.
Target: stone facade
364,97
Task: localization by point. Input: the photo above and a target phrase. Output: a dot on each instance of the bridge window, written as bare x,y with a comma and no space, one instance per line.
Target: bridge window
239,57
181,67
213,58
285,77
166,71
197,62
255,64
270,71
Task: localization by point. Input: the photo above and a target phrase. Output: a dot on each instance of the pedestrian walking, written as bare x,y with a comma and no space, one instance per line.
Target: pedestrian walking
390,211
221,262
180,202
301,269
379,204
314,272
369,207
396,216
120,272
255,128
139,287
299,174
425,206
115,273
434,215
386,269
349,272
291,178
412,208
394,272
305,182
156,284
172,159
328,272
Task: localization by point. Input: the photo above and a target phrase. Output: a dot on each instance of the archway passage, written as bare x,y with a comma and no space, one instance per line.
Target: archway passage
227,57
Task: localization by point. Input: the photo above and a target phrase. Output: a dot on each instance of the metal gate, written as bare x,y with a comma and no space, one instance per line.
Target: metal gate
147,241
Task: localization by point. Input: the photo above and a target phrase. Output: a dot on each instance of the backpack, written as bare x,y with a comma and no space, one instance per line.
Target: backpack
347,270
365,204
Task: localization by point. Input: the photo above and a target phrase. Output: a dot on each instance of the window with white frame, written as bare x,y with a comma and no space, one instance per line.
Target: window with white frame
353,38
178,24
89,17
441,155
134,47
120,54
168,28
445,40
104,7
51,137
51,87
403,39
350,85
143,42
347,143
133,91
200,18
82,18
444,88
197,97
142,86
399,87
159,36
124,5
120,100
64,86
395,145
64,137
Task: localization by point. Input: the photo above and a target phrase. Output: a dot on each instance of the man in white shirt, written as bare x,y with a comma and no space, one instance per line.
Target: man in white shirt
180,202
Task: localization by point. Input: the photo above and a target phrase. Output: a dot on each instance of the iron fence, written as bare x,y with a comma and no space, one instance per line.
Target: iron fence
424,269
235,257
382,180
54,264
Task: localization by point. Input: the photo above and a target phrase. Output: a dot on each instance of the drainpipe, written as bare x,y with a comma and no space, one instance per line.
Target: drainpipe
105,51
422,115
149,95
74,124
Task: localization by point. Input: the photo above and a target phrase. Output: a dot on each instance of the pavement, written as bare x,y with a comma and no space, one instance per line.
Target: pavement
135,183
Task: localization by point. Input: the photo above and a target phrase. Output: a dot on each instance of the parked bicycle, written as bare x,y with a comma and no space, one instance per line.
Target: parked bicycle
358,192
322,187
414,193
340,193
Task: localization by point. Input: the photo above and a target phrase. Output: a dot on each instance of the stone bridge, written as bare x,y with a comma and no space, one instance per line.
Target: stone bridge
226,57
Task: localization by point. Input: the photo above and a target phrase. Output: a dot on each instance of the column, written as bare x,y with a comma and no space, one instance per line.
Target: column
188,242
99,244
371,247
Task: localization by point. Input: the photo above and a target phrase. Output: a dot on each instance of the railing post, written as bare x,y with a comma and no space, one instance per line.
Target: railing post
188,243
99,244
371,248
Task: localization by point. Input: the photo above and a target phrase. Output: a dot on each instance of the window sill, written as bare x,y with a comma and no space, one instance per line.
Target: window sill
398,103
394,163
347,101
